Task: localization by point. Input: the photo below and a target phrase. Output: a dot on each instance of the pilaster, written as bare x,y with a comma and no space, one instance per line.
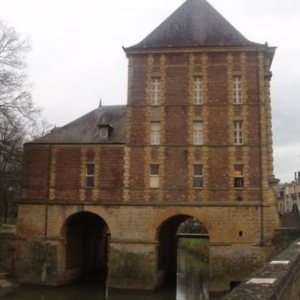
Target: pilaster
205,111
126,173
263,125
83,163
97,159
52,173
231,116
245,149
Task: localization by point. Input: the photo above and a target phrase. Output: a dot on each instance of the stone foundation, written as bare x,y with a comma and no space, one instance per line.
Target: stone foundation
141,246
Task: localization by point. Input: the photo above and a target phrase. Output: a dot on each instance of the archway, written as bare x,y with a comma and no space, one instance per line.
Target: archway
87,238
170,230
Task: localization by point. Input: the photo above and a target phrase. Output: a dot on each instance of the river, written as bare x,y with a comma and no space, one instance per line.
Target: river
191,285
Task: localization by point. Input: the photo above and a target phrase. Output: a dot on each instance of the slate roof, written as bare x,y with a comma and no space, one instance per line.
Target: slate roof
86,128
194,24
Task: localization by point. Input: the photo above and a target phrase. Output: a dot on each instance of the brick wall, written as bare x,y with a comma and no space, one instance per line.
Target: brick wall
176,114
58,172
35,177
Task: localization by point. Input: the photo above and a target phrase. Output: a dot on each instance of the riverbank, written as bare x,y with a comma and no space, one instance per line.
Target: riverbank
196,247
7,283
7,248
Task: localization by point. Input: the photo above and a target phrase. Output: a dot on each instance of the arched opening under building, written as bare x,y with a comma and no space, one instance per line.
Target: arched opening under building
170,233
87,241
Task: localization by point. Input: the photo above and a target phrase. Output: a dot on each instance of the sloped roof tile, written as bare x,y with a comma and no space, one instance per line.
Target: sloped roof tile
194,24
86,128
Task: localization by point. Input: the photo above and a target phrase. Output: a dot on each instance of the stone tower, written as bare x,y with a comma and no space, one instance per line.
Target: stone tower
199,129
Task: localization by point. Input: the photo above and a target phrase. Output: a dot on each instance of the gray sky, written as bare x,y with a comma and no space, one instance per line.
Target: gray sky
77,55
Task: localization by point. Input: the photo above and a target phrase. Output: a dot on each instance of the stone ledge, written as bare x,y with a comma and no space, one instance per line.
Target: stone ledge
273,281
7,287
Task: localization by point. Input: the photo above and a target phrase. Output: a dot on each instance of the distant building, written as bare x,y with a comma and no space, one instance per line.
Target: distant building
194,140
289,195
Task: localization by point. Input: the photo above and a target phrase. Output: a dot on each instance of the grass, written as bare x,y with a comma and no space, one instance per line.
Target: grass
195,246
7,227
193,242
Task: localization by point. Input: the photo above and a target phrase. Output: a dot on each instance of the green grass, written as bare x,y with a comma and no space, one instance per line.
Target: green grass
196,247
192,242
7,227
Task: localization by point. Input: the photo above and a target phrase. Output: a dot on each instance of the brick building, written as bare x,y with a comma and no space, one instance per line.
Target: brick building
194,140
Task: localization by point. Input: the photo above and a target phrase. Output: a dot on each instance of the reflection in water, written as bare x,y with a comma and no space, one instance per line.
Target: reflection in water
190,286
86,291
191,274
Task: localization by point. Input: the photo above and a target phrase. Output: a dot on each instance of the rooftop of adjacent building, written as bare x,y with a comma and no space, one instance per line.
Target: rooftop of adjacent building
86,128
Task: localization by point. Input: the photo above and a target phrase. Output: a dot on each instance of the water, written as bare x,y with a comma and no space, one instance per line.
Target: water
191,278
191,285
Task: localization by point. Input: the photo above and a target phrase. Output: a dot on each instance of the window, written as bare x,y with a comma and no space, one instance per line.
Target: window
103,132
237,90
155,91
154,176
155,133
197,182
198,133
238,176
198,91
90,174
238,132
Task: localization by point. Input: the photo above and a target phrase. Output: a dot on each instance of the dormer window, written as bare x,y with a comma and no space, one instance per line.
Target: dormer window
105,131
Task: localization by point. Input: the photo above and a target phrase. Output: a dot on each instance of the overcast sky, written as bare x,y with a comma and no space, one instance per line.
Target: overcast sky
77,56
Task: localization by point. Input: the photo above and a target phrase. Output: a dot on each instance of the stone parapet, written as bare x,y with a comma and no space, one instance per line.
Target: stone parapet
279,279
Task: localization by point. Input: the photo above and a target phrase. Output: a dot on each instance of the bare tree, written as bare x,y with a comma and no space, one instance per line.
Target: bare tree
11,150
15,96
20,120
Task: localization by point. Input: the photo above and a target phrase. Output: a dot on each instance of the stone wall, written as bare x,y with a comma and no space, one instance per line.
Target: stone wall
277,280
136,229
7,248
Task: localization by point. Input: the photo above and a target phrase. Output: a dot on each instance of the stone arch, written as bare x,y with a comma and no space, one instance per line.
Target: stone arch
85,250
165,233
198,213
71,213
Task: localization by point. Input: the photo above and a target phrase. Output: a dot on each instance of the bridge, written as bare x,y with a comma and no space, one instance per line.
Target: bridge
277,279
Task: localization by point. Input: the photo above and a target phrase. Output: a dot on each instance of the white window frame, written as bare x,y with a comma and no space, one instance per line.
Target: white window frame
103,133
154,176
155,133
239,176
155,91
198,176
238,132
237,90
198,133
90,175
198,91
